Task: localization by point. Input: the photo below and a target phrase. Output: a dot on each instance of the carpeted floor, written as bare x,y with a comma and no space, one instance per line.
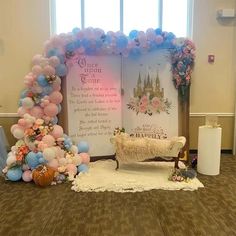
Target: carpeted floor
26,209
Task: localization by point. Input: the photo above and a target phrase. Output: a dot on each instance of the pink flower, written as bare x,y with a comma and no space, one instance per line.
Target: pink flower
143,100
142,108
155,102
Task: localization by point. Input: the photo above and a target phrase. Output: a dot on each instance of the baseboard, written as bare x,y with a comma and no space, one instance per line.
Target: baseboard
223,151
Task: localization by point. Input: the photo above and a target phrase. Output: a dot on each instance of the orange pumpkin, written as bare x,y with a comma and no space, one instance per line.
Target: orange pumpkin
43,175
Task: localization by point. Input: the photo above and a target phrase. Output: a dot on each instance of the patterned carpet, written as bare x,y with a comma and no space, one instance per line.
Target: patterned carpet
26,209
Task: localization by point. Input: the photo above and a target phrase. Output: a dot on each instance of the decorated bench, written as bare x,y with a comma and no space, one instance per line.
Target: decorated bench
133,149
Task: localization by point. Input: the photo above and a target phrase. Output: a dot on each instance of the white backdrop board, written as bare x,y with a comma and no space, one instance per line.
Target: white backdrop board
94,101
150,101
148,107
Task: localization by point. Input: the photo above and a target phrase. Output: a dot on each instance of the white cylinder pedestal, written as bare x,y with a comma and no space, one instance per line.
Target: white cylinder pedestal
209,150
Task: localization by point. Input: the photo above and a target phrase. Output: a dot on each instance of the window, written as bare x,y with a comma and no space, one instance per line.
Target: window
124,15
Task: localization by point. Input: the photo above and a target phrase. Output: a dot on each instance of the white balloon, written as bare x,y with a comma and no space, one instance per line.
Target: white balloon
18,133
27,102
74,149
62,161
49,154
11,159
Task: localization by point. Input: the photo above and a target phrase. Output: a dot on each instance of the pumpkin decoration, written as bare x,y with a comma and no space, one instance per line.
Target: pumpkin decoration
43,175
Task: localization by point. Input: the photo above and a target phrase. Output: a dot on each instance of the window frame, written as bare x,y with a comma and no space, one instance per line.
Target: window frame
190,6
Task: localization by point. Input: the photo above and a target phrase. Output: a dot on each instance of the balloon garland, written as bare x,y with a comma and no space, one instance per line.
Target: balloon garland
41,141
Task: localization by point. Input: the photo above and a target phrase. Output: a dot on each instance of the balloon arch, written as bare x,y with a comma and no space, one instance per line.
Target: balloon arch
41,141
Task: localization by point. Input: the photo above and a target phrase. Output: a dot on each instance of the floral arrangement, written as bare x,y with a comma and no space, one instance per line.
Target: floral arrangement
179,175
183,56
150,105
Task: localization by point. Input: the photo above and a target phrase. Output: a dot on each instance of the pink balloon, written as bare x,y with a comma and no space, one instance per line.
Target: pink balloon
22,122
54,61
37,70
56,87
27,176
85,157
49,140
49,70
71,168
56,97
37,112
51,110
53,163
21,111
57,131
36,59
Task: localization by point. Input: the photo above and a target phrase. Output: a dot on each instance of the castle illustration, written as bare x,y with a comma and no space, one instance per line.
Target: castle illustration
148,88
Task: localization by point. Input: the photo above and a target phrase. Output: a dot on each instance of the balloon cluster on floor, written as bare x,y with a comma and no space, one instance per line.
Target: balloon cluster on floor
43,152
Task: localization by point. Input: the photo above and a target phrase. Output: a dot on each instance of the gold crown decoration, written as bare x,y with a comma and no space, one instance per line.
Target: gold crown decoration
148,98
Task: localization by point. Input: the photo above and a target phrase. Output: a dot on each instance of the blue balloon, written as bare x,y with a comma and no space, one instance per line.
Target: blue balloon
47,90
39,155
83,146
70,47
75,30
170,36
134,53
158,31
52,52
108,39
54,120
99,43
85,43
24,93
32,160
77,43
41,79
61,58
133,34
67,143
61,70
121,42
82,168
42,160
14,174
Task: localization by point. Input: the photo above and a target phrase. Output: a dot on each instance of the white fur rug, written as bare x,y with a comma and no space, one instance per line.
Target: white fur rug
135,177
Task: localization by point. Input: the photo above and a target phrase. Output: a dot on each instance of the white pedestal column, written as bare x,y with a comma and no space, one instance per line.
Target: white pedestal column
209,150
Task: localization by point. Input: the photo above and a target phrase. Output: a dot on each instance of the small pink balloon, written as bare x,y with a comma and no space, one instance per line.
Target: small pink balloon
51,110
42,146
49,70
21,111
85,157
49,140
53,163
54,61
37,112
71,168
22,122
56,97
37,70
27,176
57,131
56,87
36,59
